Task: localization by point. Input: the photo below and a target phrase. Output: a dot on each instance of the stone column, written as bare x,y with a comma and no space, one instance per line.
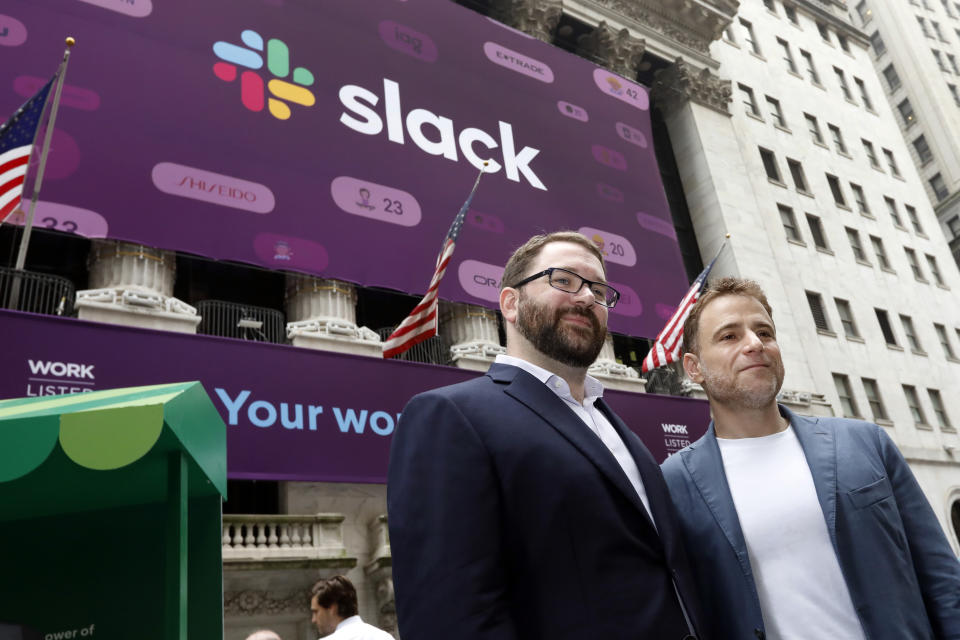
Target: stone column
379,572
612,374
472,333
323,315
538,18
132,284
616,50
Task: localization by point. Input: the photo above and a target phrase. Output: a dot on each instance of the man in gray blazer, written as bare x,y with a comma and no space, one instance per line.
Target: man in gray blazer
799,527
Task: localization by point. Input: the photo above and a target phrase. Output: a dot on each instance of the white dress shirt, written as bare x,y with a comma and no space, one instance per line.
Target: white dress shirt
591,416
354,628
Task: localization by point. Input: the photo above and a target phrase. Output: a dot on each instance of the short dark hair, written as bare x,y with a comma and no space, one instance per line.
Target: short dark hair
336,591
722,287
520,261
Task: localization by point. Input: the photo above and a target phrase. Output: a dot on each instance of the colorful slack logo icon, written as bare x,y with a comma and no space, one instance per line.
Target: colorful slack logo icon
251,84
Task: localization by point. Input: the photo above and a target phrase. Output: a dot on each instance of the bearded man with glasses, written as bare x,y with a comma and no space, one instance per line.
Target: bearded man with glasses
520,506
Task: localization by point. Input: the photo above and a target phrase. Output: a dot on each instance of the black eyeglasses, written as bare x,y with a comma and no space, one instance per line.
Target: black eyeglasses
571,282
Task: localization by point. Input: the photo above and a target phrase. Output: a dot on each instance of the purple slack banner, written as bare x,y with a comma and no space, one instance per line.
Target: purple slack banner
291,413
340,138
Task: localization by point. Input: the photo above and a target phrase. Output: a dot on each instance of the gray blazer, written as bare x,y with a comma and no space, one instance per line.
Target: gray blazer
903,577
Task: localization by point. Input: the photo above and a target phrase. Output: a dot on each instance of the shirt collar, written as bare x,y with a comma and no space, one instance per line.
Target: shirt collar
346,622
592,388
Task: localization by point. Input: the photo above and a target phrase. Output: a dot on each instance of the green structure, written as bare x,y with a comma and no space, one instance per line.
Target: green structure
110,514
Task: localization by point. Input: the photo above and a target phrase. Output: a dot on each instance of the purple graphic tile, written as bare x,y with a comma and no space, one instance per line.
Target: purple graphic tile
657,225
14,32
665,311
71,96
518,62
409,41
622,89
285,252
132,8
485,221
64,157
573,111
607,192
631,135
64,217
207,186
629,303
609,157
377,201
615,248
480,280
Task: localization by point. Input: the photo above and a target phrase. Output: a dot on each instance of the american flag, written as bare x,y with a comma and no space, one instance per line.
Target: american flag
17,136
421,324
666,348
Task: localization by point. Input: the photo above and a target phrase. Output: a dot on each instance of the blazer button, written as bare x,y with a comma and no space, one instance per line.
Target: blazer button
760,634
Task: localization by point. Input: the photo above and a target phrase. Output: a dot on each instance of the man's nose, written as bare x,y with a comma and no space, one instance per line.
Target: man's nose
752,341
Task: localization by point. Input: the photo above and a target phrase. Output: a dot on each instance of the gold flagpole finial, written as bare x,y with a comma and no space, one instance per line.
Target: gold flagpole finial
728,236
71,41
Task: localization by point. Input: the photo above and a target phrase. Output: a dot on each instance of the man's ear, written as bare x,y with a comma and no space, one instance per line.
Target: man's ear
691,364
509,299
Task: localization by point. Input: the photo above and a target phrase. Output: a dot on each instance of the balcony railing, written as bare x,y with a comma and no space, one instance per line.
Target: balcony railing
243,321
435,350
36,292
315,540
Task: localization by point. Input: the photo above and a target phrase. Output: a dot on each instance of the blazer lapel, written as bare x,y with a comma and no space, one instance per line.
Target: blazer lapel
819,447
705,466
534,394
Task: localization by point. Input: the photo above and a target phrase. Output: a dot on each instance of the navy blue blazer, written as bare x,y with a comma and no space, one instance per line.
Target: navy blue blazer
903,577
510,520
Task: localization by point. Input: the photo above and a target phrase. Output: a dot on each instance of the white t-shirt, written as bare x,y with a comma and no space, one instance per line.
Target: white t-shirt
354,628
801,588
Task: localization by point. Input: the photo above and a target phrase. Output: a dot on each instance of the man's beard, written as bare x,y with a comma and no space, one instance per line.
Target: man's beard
566,343
728,392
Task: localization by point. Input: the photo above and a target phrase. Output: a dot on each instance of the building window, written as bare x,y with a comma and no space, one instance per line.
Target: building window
847,402
952,59
837,139
892,162
854,236
935,270
953,224
864,97
871,153
789,223
791,13
953,92
860,198
771,7
892,210
842,39
911,334
893,79
816,230
936,30
943,420
881,252
846,318
811,68
776,112
923,150
939,58
837,191
799,177
879,46
885,328
914,264
877,408
751,38
923,27
787,55
816,309
749,101
944,341
770,164
906,112
914,219
814,128
947,9
913,401
824,32
939,187
842,80
863,11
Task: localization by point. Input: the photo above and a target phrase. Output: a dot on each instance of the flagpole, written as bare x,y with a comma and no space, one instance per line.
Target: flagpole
28,224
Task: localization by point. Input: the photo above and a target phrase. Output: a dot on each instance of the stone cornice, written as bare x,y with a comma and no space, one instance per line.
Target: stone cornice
616,50
691,23
816,8
681,82
253,602
538,18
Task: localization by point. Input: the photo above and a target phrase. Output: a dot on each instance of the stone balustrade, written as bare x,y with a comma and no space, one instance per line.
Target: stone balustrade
310,539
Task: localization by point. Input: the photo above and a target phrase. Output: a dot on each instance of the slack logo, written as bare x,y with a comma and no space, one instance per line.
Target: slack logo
251,83
442,140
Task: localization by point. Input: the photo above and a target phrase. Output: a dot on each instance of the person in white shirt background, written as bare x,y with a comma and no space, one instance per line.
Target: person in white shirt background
333,607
